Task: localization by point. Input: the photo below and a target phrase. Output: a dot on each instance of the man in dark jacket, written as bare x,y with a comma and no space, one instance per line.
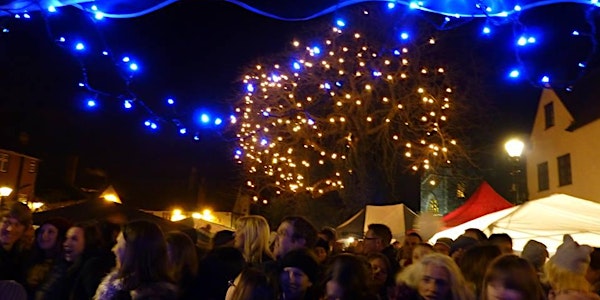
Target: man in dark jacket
378,239
16,219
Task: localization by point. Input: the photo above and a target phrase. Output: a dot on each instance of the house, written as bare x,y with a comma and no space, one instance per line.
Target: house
18,172
563,151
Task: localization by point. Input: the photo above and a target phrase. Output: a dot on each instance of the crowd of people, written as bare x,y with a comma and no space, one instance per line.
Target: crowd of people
98,260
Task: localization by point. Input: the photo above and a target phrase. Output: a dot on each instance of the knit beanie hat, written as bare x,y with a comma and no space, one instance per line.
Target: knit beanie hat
19,211
535,252
321,243
572,256
304,260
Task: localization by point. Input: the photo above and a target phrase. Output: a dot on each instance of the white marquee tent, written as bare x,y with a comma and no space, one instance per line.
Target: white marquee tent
397,217
545,220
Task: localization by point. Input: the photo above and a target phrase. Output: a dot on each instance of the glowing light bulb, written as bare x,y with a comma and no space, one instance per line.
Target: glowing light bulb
170,101
79,46
182,130
218,121
133,67
340,23
99,15
391,5
404,35
486,30
51,9
204,118
514,73
127,104
517,7
91,103
545,79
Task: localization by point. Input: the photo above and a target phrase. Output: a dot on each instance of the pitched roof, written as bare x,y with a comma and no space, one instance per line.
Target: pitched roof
483,201
583,102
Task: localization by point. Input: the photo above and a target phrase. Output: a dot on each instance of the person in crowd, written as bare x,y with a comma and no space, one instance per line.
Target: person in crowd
460,245
535,253
252,238
411,239
592,274
565,271
421,250
16,219
503,241
85,263
510,277
217,269
378,239
443,245
222,238
477,234
298,275
294,232
183,264
435,277
475,262
382,278
330,236
321,250
251,284
348,277
141,270
12,290
47,251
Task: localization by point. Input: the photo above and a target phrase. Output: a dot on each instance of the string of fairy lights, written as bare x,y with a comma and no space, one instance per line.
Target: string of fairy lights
493,17
302,123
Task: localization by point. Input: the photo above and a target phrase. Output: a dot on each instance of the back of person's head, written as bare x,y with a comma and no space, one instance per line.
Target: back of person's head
328,233
475,261
145,255
93,240
252,235
251,284
348,276
536,253
382,231
218,267
513,273
304,260
222,238
303,229
183,258
476,234
503,241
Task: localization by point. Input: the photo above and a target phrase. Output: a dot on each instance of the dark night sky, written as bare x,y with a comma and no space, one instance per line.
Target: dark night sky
193,51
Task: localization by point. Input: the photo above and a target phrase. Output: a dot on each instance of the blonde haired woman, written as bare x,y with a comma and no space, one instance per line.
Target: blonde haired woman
435,277
252,238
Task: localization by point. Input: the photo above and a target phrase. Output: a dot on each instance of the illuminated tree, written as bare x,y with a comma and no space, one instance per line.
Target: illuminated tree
349,113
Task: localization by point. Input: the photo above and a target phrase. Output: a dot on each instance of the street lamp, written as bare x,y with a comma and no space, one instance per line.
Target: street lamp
514,148
4,192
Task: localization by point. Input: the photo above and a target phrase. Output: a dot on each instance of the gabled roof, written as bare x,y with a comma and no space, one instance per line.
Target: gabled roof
583,102
483,201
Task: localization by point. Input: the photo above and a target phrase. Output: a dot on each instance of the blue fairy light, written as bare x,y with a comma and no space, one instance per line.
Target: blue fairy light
327,86
218,121
250,88
316,50
99,15
238,152
170,101
575,32
147,123
81,84
91,103
581,65
514,73
265,113
105,53
204,118
79,46
517,7
396,52
94,7
26,16
486,30
404,35
391,5
264,142
153,125
531,40
413,5
125,59
311,122
545,79
61,39
196,137
133,67
127,104
522,41
296,65
340,23
182,130
51,9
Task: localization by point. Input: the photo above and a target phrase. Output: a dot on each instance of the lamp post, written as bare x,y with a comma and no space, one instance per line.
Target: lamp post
4,192
514,148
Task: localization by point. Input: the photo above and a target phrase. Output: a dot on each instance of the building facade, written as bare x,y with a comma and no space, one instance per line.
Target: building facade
562,155
18,172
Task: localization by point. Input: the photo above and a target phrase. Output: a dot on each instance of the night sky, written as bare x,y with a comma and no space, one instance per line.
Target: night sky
193,51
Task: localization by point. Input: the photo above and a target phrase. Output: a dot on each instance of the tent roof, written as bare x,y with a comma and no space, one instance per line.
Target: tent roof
397,217
483,201
102,210
545,220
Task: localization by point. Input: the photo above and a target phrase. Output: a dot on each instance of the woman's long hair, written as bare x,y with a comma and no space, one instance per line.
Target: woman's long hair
254,231
458,285
145,257
183,258
514,273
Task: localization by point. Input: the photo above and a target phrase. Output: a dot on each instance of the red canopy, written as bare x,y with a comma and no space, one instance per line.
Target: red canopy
484,201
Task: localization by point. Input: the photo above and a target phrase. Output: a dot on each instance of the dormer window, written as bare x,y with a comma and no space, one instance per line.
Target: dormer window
549,114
